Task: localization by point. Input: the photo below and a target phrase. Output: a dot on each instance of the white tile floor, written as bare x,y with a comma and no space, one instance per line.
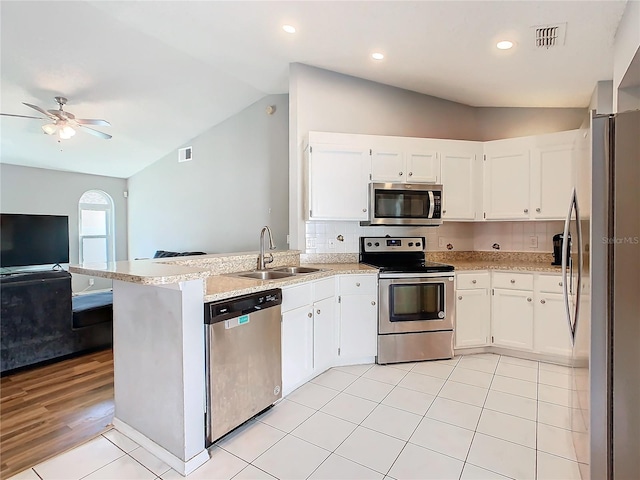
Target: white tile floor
473,417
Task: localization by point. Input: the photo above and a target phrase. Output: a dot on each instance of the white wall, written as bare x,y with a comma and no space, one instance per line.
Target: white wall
320,100
219,201
53,192
625,49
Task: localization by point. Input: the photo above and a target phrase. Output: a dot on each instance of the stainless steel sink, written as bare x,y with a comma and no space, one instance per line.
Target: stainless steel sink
296,270
265,275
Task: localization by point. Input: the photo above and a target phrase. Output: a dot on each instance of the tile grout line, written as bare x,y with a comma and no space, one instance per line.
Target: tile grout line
423,417
478,422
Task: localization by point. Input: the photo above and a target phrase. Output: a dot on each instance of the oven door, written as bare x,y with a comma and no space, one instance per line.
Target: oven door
410,304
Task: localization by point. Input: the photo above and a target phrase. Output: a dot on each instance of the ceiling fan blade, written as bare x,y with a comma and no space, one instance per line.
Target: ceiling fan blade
95,132
92,121
42,111
20,116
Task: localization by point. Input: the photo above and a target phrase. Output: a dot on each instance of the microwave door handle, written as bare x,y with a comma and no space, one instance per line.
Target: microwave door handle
432,204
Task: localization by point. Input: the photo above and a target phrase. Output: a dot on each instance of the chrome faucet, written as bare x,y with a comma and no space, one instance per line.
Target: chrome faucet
261,259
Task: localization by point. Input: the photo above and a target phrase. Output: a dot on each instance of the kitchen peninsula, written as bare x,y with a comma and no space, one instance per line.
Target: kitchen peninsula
159,364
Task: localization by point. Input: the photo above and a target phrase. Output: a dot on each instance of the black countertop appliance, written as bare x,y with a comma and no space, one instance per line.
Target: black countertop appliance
557,248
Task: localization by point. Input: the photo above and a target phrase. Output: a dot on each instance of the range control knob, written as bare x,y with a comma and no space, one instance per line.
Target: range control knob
411,244
377,244
417,244
368,244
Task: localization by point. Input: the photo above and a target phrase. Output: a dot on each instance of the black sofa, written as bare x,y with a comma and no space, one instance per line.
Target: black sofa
40,321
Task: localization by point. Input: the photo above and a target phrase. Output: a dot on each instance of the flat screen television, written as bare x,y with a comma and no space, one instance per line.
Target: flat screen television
27,240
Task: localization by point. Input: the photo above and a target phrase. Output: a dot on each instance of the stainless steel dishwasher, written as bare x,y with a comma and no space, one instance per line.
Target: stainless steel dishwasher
243,359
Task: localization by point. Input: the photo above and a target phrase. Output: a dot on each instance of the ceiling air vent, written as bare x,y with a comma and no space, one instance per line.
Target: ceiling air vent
549,36
184,154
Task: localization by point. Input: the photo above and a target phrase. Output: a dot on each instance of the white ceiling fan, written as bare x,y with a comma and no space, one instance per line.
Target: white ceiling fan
64,123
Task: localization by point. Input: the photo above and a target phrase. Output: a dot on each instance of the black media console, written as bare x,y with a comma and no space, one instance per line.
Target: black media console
40,321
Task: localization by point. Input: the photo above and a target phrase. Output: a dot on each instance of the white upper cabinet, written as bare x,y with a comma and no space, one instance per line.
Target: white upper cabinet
404,160
338,182
529,177
551,181
506,180
460,164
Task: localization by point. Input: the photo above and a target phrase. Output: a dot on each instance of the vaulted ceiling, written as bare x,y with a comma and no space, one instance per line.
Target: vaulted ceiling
164,72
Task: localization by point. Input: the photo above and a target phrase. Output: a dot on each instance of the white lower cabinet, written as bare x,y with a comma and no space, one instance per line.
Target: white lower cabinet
512,318
325,343
358,316
525,312
551,330
297,347
473,310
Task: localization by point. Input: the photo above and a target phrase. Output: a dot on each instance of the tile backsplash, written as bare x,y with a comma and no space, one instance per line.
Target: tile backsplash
343,237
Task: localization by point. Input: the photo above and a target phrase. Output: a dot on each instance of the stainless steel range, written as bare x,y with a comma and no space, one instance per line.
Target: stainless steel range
416,300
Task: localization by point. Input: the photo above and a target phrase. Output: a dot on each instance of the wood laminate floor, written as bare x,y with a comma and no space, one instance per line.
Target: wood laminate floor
47,410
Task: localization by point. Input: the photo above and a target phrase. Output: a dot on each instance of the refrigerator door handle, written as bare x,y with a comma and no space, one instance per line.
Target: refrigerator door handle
567,261
565,283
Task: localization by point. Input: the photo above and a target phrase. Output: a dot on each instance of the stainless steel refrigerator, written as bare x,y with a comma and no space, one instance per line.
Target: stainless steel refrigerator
602,297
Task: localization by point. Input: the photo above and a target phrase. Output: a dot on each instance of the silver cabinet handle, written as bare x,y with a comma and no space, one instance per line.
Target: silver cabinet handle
528,299
444,211
474,281
310,314
559,284
538,209
400,174
526,210
364,209
459,297
373,302
543,301
513,281
357,284
318,311
411,174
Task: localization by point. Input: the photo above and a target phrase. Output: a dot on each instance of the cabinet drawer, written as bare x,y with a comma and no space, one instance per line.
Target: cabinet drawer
549,283
518,281
358,284
324,288
472,280
296,296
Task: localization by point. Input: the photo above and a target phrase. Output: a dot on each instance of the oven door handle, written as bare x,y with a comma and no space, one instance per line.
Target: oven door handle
417,278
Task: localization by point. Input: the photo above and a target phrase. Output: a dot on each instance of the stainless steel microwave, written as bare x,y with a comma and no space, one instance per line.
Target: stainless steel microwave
417,204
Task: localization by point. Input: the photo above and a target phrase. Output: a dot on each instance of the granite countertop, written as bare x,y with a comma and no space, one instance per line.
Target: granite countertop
509,265
144,272
220,287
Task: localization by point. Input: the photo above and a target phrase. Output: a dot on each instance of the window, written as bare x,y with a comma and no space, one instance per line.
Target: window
95,219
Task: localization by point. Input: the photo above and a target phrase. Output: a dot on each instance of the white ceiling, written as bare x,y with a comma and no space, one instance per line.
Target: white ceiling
164,72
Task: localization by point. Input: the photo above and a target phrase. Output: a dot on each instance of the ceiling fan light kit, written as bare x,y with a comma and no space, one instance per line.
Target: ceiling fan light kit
64,123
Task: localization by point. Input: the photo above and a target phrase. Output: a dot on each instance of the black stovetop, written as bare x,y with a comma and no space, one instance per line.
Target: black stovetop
398,255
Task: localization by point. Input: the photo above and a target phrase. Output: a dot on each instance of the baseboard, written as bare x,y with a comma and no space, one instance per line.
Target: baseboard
536,357
182,467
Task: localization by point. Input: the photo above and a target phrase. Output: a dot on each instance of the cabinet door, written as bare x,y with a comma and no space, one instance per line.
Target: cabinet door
422,166
297,347
550,329
325,344
358,326
551,181
512,318
338,182
473,313
458,186
506,185
387,166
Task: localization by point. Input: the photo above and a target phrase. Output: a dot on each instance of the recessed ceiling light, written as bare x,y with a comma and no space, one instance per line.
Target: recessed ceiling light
289,28
377,56
504,45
